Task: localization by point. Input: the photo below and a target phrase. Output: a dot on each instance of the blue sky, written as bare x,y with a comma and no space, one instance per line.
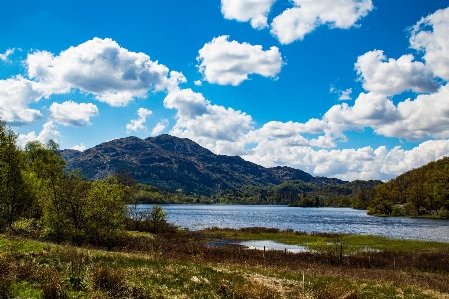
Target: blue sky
354,89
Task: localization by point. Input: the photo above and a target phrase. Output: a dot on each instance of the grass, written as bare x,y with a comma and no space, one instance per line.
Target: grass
353,242
178,264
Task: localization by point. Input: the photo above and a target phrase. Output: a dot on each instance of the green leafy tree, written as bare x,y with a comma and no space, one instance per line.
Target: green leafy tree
156,217
15,199
66,216
105,212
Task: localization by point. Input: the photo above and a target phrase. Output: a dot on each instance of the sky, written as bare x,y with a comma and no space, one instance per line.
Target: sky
352,89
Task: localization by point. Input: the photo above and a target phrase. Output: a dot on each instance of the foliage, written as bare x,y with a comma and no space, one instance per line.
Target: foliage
284,193
15,198
37,196
147,194
299,193
420,192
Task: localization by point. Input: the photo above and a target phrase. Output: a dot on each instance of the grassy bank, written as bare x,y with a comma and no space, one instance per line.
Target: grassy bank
178,264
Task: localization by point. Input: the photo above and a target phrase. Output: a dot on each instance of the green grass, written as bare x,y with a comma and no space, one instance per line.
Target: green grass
34,269
354,242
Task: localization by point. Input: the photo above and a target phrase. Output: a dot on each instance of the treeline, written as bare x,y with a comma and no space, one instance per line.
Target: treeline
282,194
420,192
36,194
299,193
346,195
148,194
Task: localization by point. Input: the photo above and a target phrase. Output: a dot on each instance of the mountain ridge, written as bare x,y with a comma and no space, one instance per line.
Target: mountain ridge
180,164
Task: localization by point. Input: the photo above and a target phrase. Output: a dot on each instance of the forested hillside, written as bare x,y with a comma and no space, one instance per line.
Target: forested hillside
299,193
346,195
418,192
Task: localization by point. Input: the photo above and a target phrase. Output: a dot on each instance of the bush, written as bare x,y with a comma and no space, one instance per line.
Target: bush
443,212
5,288
109,280
53,287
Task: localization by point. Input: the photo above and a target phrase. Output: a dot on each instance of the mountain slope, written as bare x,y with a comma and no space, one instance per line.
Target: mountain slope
179,164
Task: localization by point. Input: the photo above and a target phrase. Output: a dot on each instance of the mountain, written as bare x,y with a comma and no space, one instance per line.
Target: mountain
179,164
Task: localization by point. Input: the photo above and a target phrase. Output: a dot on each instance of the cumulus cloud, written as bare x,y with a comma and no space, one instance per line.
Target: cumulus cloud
80,147
306,15
392,76
73,114
137,124
344,95
213,126
425,116
100,67
226,131
349,164
4,56
48,133
198,82
430,35
15,96
159,127
255,11
229,63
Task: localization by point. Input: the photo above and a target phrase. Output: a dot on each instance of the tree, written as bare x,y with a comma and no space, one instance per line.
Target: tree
14,198
66,215
156,216
105,212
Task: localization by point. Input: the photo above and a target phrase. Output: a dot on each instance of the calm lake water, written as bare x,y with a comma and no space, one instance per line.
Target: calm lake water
338,220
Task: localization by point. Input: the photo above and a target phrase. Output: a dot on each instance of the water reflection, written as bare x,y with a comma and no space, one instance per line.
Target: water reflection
271,245
331,220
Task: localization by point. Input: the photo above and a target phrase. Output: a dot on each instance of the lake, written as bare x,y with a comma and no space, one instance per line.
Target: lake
335,220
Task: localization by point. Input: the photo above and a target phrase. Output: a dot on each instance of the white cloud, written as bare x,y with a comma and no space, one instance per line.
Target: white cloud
392,76
198,83
225,62
48,133
255,11
4,57
80,147
369,110
226,131
294,23
345,95
435,42
137,124
214,127
349,164
73,114
159,127
425,116
103,68
15,96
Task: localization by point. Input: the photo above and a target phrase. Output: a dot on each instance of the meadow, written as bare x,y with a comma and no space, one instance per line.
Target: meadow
178,263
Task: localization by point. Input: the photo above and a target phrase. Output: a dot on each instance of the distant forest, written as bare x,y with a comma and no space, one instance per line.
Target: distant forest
420,192
299,193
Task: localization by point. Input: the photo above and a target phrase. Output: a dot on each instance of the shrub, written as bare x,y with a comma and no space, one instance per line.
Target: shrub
109,280
5,288
53,287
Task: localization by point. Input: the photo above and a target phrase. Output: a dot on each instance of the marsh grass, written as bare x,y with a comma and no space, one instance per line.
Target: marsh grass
180,264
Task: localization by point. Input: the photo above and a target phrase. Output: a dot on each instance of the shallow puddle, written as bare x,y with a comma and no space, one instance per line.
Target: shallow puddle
271,245
259,245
